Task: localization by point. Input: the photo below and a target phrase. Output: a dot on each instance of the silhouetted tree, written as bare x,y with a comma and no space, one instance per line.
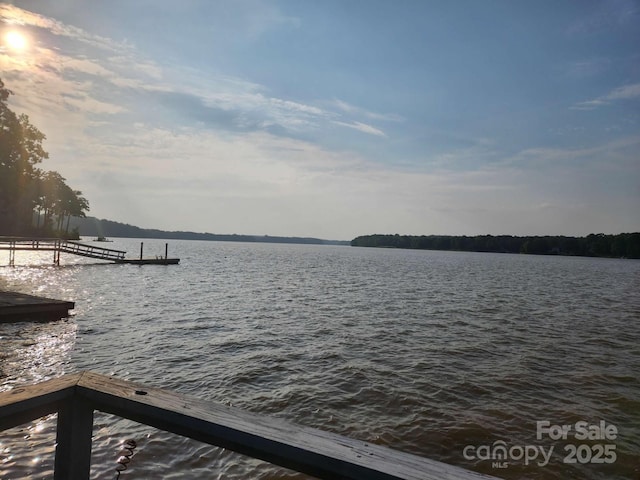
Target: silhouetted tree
20,151
24,188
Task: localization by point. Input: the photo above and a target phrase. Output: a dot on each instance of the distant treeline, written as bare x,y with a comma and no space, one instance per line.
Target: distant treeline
595,245
93,227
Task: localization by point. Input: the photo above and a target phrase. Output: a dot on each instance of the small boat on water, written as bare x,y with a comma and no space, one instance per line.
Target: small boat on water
102,239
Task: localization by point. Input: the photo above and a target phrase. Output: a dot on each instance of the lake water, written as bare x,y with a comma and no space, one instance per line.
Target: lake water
422,351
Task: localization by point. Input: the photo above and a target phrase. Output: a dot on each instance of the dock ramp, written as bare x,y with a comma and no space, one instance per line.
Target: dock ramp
58,246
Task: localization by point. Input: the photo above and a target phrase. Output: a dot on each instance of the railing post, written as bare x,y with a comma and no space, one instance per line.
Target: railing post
56,252
73,441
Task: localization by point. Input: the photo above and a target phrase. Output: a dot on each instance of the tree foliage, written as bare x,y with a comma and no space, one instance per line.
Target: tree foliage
27,191
594,245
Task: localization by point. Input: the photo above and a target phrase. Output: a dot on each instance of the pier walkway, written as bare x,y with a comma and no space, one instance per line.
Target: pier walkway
58,246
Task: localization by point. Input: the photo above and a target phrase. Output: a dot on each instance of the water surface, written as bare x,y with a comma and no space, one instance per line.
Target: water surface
422,351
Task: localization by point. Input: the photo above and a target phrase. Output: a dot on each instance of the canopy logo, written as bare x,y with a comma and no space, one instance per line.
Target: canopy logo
502,455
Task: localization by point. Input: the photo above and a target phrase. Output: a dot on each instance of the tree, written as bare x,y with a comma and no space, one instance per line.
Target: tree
73,205
20,151
25,189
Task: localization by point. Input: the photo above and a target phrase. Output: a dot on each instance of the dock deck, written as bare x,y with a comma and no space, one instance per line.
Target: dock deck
149,261
19,306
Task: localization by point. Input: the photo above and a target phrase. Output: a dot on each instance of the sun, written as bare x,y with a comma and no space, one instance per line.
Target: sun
15,40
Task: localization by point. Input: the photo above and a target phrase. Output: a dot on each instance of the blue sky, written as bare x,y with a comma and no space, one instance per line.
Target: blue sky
338,118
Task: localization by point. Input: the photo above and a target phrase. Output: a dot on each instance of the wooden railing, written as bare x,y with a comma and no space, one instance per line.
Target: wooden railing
57,246
91,251
303,449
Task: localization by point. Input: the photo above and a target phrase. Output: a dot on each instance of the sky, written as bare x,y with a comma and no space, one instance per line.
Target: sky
335,119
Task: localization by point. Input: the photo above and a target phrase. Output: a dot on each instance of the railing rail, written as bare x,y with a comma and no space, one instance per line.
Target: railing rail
91,251
307,450
59,245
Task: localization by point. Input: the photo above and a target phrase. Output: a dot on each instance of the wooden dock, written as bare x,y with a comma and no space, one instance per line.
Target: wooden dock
19,306
58,246
150,261
307,450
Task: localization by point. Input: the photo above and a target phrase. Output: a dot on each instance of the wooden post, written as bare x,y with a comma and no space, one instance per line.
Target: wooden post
141,247
12,254
56,252
166,251
73,449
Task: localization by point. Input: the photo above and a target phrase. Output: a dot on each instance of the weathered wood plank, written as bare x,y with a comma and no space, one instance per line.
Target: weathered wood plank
307,450
25,404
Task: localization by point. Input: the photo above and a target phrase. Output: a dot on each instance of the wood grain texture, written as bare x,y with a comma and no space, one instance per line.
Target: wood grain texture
311,451
24,404
307,450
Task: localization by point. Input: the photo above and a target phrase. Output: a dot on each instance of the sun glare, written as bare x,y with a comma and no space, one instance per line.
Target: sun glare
15,40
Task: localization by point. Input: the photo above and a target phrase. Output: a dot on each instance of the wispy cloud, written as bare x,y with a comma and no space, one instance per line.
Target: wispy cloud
626,92
354,110
77,84
362,127
614,155
13,15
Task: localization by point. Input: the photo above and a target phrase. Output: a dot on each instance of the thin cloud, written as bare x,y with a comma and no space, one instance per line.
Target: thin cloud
80,83
13,15
77,83
613,155
362,127
353,110
626,92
